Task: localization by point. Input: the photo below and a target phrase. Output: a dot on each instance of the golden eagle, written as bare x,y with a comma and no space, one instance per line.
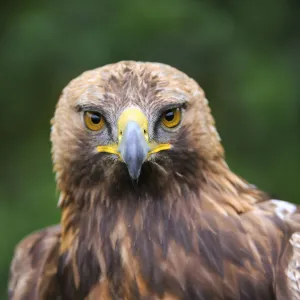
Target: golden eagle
150,209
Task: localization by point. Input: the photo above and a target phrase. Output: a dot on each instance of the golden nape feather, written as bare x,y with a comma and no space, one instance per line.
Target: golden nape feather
150,209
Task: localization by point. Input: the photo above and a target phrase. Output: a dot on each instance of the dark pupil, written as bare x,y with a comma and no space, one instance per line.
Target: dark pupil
169,115
95,118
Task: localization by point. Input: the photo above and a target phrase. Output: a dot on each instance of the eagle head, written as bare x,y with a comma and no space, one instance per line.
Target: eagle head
132,123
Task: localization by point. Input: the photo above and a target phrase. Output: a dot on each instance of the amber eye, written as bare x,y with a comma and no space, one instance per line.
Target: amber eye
172,117
93,120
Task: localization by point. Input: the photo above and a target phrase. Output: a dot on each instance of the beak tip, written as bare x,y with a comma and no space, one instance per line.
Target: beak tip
134,168
135,175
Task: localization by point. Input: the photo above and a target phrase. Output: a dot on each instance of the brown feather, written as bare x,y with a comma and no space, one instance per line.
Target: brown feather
34,267
291,258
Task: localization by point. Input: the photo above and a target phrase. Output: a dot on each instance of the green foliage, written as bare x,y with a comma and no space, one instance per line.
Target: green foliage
245,54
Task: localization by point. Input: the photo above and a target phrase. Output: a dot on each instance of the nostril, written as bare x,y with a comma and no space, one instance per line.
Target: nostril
121,132
145,131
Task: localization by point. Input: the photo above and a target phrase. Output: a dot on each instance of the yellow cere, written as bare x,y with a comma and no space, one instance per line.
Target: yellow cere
136,115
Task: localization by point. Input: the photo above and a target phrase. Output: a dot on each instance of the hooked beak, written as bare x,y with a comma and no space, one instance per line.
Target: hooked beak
133,147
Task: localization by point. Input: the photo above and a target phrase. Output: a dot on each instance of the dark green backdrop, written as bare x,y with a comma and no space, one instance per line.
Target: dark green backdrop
245,54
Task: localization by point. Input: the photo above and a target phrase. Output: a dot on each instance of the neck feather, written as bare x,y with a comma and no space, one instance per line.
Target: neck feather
100,225
216,189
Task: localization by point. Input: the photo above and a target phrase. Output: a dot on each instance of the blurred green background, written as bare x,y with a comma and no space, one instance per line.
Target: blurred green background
245,54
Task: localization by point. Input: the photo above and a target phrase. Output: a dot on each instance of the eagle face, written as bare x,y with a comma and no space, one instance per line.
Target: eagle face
131,121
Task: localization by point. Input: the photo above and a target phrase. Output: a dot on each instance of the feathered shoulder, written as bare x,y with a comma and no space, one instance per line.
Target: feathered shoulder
34,266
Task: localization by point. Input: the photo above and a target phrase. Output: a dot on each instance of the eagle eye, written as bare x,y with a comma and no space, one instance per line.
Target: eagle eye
171,117
93,120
